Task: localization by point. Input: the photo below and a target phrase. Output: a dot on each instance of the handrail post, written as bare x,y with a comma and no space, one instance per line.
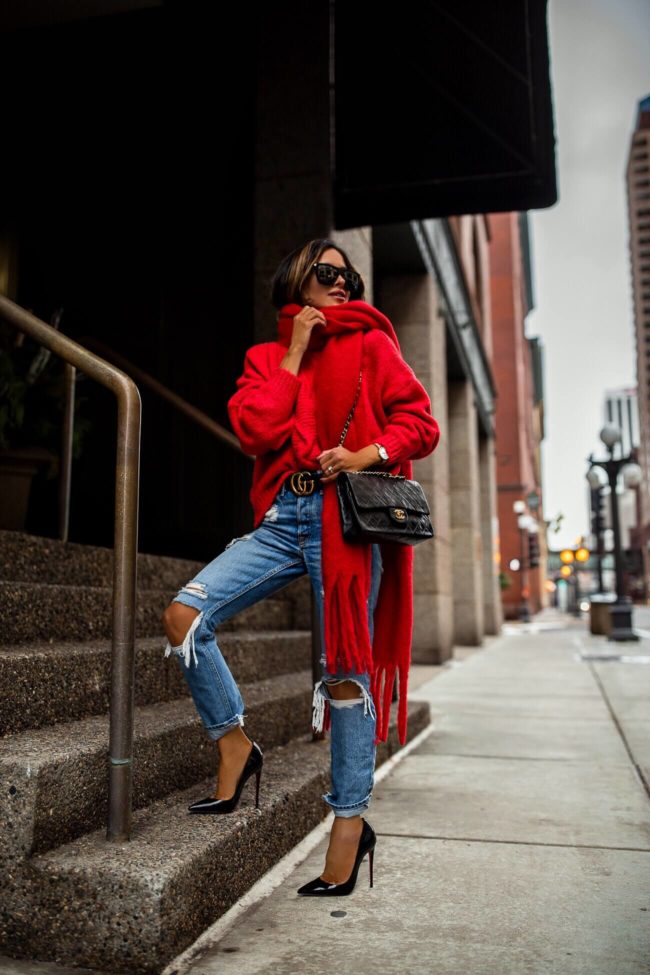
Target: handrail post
65,476
127,478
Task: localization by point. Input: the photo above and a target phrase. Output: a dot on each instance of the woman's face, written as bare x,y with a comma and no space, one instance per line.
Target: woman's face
324,295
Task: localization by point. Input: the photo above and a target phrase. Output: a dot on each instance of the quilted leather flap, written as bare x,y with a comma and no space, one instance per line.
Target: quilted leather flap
382,492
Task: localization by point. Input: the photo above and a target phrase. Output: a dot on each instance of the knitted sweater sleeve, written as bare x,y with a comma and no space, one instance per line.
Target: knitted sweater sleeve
410,431
261,411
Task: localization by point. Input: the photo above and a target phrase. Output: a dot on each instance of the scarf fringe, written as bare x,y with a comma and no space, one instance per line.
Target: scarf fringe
347,638
381,689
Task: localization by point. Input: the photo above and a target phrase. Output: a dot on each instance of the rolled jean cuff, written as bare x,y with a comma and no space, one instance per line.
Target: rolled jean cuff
218,731
348,811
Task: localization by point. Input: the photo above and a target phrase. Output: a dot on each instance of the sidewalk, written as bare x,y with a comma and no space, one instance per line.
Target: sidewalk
515,838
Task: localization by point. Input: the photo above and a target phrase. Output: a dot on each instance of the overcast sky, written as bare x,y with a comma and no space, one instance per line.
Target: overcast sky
600,69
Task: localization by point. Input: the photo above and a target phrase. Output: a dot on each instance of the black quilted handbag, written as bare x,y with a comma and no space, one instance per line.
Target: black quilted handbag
381,507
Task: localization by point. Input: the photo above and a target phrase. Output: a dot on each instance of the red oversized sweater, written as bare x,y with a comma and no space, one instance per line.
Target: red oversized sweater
274,415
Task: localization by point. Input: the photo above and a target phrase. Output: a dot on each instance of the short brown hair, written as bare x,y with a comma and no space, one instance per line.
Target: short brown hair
295,268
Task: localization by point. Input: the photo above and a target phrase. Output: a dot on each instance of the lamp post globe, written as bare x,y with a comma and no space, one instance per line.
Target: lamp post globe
632,475
610,435
596,478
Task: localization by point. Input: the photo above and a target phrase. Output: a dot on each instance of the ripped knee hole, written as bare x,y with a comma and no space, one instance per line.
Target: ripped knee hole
324,691
344,690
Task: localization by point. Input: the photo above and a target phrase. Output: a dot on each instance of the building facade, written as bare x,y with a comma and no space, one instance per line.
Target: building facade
519,419
638,200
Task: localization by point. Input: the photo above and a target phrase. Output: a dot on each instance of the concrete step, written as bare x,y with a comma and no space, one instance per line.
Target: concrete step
56,778
32,611
134,907
44,684
30,558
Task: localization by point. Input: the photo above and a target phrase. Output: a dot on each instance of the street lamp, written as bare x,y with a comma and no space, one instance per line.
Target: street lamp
621,610
523,522
597,481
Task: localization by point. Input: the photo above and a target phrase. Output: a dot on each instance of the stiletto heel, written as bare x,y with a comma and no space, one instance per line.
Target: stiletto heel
321,888
252,766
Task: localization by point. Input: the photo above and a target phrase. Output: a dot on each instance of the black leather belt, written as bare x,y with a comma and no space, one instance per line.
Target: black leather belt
303,483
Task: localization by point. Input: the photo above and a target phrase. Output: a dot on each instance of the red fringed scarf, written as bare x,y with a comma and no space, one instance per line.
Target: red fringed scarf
347,567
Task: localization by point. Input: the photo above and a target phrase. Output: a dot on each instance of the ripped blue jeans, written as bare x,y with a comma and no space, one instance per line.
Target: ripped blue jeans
286,545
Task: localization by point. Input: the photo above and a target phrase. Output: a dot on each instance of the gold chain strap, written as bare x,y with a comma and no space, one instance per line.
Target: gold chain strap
347,422
395,477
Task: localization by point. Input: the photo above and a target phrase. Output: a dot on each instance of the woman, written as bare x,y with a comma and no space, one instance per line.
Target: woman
289,411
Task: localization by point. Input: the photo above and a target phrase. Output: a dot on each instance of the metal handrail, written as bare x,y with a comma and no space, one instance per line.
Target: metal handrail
127,476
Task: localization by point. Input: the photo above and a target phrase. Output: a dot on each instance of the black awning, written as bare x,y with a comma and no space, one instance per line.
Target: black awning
441,107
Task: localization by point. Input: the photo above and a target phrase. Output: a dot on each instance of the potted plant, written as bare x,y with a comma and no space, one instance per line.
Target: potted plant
32,402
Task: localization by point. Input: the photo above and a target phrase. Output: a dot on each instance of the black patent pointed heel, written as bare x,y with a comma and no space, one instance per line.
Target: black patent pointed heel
253,766
321,888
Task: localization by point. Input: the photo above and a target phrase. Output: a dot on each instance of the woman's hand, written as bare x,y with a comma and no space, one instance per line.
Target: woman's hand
303,323
341,459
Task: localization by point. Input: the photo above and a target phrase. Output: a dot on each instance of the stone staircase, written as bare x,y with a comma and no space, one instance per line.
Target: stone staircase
68,895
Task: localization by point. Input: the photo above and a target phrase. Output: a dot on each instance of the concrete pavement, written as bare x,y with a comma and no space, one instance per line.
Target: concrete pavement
513,835
513,838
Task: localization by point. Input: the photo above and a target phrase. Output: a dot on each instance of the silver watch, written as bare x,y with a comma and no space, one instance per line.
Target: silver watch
382,452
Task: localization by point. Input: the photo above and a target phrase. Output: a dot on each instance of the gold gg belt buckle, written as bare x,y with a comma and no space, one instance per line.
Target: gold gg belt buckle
302,483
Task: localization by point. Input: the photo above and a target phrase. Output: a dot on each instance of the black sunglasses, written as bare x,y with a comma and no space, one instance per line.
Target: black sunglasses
328,274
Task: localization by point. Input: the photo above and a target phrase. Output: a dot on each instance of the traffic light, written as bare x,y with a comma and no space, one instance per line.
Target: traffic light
598,505
533,550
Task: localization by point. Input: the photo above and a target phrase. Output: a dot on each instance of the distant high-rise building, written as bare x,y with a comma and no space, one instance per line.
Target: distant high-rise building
621,408
638,197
